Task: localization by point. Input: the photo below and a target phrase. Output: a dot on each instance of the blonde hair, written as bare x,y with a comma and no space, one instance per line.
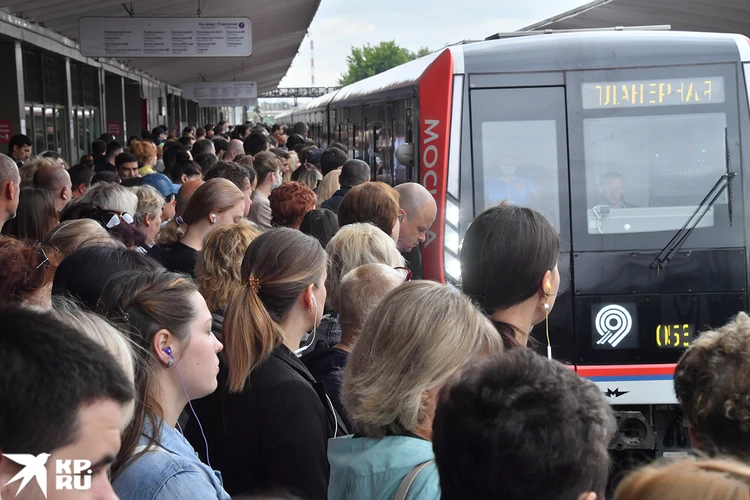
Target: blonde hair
218,271
217,195
310,178
293,165
110,196
29,168
102,332
687,479
353,246
70,235
414,340
328,186
278,266
150,202
364,287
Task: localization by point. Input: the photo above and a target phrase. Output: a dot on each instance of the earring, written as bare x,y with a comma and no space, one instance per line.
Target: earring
545,306
170,363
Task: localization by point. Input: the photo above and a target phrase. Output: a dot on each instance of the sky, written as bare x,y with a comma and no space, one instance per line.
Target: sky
340,24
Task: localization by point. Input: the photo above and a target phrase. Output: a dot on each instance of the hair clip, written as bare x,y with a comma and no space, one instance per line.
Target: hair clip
125,317
254,283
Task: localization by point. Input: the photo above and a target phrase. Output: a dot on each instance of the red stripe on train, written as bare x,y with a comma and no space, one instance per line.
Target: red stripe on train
613,370
435,91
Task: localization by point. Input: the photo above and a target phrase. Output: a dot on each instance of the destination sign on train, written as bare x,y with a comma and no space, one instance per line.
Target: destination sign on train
643,93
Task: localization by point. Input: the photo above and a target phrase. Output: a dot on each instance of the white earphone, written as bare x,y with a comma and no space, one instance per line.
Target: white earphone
315,329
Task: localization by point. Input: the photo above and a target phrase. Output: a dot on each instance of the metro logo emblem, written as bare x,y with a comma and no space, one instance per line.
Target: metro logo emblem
613,323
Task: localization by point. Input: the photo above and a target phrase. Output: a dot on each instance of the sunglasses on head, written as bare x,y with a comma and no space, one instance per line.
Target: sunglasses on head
115,220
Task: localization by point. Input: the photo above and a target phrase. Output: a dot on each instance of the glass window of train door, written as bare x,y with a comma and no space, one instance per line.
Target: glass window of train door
660,159
519,150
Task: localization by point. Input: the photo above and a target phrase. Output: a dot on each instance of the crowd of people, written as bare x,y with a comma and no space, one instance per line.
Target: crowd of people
237,313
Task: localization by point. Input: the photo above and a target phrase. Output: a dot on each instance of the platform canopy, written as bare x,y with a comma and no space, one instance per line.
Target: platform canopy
278,28
722,16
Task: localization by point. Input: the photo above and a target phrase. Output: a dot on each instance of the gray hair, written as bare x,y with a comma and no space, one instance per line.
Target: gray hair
414,340
150,201
70,235
111,196
8,170
363,288
355,245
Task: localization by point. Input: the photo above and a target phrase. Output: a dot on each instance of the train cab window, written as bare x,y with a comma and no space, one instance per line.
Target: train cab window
519,149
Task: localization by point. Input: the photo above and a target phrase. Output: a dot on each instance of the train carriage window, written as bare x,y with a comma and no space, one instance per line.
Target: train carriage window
519,149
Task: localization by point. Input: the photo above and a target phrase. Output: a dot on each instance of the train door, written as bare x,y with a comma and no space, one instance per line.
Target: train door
519,153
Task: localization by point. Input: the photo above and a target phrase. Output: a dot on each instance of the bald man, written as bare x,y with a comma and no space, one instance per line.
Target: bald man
235,147
418,210
57,181
185,193
10,187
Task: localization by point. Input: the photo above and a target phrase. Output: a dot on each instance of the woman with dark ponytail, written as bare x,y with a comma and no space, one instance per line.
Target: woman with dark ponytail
270,422
509,268
176,361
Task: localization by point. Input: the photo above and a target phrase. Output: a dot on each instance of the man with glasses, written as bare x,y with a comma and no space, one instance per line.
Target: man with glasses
10,188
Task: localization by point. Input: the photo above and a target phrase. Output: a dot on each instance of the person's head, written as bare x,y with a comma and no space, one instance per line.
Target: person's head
147,217
328,186
215,203
333,159
322,224
373,202
687,479
36,215
300,129
341,146
310,177
314,156
418,210
710,381
221,145
158,135
56,180
353,246
283,159
217,271
267,167
62,397
10,187
110,196
103,333
238,175
188,131
55,158
114,148
412,342
105,176
145,153
256,143
70,235
613,187
98,148
234,148
240,132
186,141
185,170
166,317
200,133
293,141
289,204
172,153
203,146
82,275
363,288
127,165
27,272
19,147
219,129
497,420
80,179
283,276
29,168
206,161
354,173
509,258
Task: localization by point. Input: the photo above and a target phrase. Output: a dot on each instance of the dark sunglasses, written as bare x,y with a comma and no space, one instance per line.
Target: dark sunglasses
408,273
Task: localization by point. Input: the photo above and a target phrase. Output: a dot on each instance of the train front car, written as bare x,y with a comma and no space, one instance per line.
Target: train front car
630,143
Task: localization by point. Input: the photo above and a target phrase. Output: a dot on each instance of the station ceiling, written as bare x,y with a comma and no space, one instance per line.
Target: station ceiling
722,16
278,28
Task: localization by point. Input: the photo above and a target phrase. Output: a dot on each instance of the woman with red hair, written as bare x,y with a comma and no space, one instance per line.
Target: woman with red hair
289,204
27,272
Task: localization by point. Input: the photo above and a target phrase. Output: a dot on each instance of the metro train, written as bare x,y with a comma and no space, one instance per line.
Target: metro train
630,142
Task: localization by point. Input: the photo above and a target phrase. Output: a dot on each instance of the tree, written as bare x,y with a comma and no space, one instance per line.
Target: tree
368,60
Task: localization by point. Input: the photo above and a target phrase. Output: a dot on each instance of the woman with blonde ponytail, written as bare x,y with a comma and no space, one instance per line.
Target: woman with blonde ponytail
215,203
269,422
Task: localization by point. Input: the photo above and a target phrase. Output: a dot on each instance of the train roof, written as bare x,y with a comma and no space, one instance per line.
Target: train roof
551,52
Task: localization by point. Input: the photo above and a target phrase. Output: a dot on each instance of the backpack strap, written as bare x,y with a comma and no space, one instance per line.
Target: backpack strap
405,486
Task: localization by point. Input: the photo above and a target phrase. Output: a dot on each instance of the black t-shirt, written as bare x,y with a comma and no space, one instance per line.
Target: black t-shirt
177,257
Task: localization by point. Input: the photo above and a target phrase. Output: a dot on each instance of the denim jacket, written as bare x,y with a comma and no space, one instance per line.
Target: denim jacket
167,472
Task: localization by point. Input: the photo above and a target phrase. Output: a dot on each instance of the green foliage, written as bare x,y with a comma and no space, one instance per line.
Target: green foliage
369,60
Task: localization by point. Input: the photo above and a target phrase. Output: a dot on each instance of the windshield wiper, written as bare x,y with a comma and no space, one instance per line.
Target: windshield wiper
674,245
